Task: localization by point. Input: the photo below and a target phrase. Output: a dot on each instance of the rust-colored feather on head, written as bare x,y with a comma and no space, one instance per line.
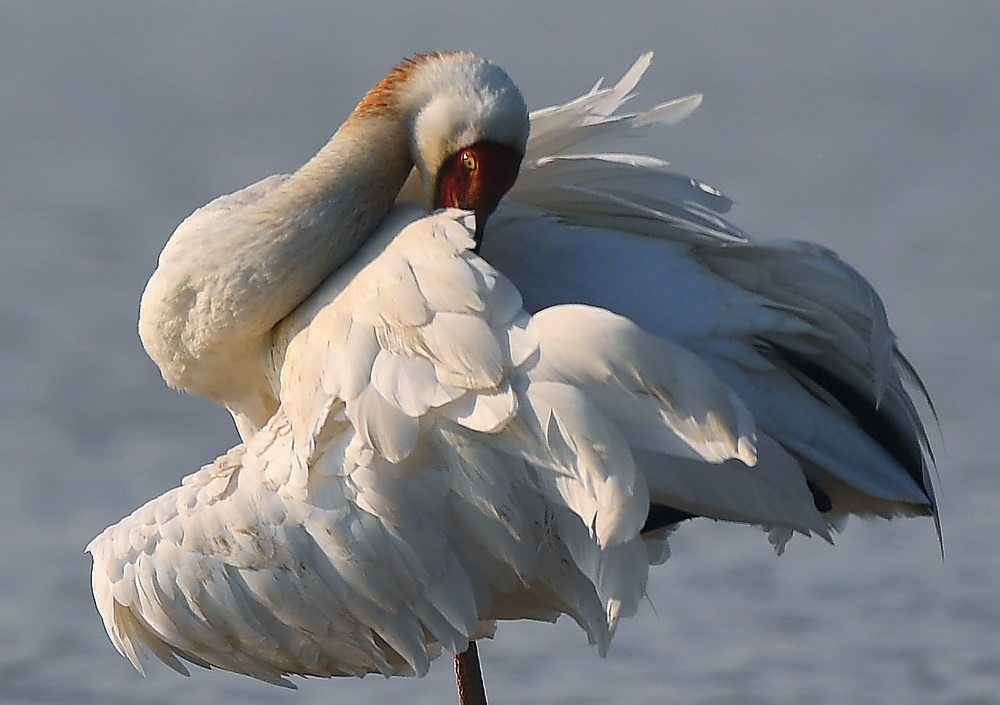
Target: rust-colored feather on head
447,103
383,97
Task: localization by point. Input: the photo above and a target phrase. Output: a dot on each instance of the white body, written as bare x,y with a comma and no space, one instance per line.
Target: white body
422,456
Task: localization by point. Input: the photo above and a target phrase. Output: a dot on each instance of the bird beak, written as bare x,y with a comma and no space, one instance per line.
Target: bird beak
482,215
480,187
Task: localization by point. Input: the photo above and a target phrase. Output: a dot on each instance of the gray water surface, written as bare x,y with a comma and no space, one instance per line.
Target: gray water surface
872,130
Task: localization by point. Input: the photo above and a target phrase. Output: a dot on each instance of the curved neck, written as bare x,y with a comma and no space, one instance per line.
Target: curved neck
235,268
309,226
238,266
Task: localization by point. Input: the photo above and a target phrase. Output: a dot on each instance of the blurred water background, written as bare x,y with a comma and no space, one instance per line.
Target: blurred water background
871,128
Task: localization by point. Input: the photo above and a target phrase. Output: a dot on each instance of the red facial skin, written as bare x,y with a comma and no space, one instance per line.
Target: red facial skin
475,179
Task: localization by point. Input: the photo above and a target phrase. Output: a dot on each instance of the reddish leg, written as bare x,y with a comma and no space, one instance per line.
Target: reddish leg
469,677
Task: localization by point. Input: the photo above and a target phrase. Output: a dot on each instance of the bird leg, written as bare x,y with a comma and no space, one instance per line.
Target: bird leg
469,677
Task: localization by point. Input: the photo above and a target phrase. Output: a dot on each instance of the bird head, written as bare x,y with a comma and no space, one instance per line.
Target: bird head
469,133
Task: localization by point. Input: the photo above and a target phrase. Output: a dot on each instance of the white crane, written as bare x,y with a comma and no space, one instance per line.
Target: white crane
434,440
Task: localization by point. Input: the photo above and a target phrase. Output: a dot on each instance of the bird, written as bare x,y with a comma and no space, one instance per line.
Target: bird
483,363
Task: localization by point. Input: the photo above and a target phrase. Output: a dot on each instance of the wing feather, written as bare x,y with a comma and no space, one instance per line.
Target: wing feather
427,472
800,336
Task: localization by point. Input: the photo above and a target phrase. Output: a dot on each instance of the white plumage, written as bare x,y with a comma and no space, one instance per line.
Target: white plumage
422,456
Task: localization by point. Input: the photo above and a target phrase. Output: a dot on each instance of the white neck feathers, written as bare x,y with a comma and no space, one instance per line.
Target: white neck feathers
239,265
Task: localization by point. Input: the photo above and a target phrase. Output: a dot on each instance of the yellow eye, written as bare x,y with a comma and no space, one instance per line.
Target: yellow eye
469,160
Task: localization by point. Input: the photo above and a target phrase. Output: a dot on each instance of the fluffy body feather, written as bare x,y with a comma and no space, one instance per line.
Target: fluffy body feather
426,452
796,332
444,463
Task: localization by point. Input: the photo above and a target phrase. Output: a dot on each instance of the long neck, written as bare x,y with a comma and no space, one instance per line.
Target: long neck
305,229
235,268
